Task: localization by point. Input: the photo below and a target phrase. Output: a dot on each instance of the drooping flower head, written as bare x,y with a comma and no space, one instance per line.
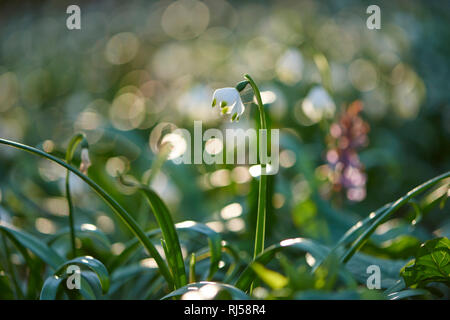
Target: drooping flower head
85,161
230,102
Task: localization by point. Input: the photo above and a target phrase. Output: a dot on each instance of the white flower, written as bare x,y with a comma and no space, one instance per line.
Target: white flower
229,101
318,104
85,161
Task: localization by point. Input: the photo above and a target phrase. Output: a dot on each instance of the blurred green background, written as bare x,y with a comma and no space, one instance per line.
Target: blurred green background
138,68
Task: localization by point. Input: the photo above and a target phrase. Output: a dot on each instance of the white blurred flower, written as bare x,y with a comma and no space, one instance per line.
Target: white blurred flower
85,161
289,66
229,101
318,104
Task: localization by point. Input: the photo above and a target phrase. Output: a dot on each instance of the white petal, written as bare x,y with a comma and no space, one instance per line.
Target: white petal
232,98
239,108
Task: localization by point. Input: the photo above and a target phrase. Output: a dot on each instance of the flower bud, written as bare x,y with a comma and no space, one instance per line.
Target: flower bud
85,161
241,85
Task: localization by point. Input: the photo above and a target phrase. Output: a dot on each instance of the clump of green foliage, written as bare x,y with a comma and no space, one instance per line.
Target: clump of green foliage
296,268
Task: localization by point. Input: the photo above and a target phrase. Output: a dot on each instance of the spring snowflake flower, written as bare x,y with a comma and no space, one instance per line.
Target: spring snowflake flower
229,101
318,105
85,161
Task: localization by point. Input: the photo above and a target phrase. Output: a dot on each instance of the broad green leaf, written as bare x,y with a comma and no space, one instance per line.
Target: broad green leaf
91,263
86,290
431,264
94,283
401,247
389,269
50,289
38,247
207,290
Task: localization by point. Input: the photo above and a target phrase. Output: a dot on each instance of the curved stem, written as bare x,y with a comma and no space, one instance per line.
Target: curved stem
262,193
71,219
73,144
117,208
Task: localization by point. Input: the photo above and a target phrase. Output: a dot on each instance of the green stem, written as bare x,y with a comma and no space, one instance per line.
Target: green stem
262,194
115,206
69,156
71,219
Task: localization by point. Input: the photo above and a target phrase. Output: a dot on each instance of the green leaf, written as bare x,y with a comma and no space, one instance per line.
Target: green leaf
125,274
50,289
38,247
174,255
214,242
207,290
389,269
359,242
6,288
84,230
431,264
93,264
126,218
304,245
407,294
192,263
273,279
164,219
93,283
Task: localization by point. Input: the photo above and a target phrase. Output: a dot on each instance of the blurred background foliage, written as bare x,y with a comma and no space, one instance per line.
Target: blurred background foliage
375,102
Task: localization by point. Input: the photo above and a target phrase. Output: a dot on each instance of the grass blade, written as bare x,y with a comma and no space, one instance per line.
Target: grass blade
93,264
44,252
50,289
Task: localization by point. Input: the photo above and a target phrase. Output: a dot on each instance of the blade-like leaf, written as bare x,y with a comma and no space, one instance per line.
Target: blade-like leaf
407,293
214,241
274,279
94,265
394,207
302,244
39,248
115,206
82,231
163,217
50,289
